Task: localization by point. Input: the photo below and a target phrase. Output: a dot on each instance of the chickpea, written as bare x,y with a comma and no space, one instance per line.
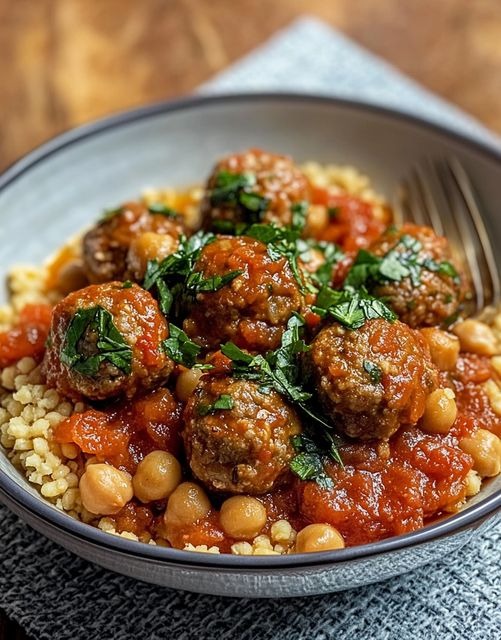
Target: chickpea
148,246
187,504
242,517
104,489
444,348
318,537
485,449
476,337
156,477
317,219
186,383
440,412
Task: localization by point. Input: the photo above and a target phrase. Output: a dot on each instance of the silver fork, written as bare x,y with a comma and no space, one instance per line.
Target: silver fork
439,194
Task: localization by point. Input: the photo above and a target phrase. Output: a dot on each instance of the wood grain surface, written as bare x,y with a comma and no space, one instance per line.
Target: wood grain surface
64,62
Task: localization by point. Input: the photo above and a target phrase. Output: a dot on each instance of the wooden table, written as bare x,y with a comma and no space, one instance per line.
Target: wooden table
64,62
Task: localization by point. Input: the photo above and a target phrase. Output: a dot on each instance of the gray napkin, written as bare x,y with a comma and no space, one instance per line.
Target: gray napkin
57,596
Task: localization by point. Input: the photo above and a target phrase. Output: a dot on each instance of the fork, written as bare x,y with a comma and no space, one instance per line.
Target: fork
439,194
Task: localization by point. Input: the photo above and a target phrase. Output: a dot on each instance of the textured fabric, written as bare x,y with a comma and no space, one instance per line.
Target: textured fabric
57,596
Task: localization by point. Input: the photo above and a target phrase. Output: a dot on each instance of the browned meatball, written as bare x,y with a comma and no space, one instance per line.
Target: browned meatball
106,340
437,295
106,245
245,448
252,309
373,379
254,186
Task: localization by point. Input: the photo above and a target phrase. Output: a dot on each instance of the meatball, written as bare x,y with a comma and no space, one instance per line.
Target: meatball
106,245
438,294
252,309
372,380
245,448
105,341
274,179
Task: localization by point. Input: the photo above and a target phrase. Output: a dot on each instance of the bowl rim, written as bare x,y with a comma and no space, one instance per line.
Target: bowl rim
35,506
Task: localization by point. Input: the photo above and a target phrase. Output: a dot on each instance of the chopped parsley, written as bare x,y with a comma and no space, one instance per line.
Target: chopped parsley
331,253
280,370
375,373
162,209
309,461
235,189
284,241
108,214
196,283
110,345
168,277
402,261
180,348
224,402
127,284
351,307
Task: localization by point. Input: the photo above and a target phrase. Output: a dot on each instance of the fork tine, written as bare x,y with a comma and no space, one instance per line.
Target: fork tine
417,211
466,244
468,194
424,175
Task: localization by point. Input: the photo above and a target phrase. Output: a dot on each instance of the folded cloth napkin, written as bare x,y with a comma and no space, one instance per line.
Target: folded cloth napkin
56,596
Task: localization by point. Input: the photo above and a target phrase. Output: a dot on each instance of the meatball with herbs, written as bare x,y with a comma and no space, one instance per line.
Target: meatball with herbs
242,295
254,186
106,341
120,244
417,276
374,379
237,437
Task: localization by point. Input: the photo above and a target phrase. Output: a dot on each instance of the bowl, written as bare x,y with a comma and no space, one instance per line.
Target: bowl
55,190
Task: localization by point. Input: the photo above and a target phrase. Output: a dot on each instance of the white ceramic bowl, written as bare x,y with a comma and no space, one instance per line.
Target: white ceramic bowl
56,190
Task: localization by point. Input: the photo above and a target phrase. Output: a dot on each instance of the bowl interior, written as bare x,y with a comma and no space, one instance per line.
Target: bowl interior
64,187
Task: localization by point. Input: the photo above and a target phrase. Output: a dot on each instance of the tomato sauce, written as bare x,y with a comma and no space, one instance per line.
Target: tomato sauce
28,337
124,436
352,224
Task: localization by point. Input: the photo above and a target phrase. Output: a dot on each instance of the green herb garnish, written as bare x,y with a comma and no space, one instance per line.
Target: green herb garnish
95,322
196,283
309,461
127,284
108,214
351,307
180,348
374,371
169,276
280,370
235,189
162,209
402,261
224,402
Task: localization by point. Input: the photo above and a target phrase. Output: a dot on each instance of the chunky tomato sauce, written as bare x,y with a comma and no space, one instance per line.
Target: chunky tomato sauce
123,436
28,337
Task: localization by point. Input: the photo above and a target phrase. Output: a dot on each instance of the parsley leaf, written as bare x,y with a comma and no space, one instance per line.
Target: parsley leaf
331,253
280,370
196,283
108,214
169,276
308,463
162,209
235,189
224,402
95,322
374,371
180,348
351,307
402,261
